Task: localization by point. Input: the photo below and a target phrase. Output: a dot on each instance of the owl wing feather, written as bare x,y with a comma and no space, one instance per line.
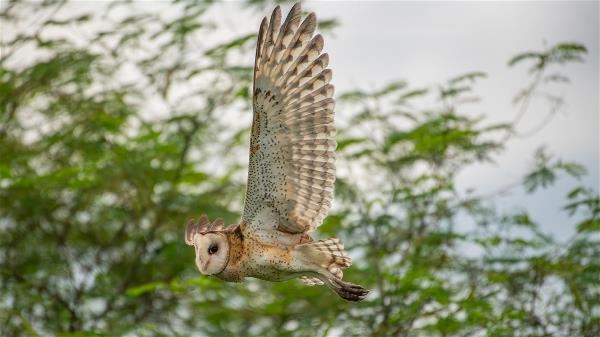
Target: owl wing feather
291,170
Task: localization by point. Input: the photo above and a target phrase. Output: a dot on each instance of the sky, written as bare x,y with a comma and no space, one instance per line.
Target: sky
428,42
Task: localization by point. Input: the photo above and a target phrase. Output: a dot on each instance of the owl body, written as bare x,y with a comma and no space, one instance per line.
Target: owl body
232,256
291,171
249,257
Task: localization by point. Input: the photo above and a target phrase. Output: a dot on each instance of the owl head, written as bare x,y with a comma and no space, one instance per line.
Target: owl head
210,244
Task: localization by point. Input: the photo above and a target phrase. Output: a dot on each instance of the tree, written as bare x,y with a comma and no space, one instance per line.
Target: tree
107,146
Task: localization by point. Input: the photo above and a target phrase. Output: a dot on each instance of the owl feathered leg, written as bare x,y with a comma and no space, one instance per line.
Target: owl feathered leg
327,259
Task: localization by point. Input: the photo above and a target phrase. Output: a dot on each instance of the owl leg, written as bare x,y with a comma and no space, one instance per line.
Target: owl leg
346,290
325,260
328,253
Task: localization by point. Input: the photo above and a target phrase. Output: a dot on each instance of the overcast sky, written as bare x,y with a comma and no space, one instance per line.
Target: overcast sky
427,42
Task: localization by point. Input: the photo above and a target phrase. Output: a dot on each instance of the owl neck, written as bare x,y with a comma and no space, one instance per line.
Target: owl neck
235,238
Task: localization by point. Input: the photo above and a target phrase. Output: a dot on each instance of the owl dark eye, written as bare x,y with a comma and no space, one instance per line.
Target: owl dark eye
213,249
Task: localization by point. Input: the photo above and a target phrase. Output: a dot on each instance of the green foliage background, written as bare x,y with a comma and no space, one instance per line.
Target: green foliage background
118,126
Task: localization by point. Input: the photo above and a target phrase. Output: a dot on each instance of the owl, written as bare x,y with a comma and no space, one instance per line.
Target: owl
291,170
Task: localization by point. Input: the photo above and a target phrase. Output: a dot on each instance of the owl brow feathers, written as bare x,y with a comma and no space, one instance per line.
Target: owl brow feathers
202,226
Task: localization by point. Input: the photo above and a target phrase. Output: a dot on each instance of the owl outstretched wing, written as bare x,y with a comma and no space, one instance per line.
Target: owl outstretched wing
292,148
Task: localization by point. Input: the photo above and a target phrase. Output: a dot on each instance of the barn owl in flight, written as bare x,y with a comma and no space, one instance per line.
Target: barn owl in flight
291,171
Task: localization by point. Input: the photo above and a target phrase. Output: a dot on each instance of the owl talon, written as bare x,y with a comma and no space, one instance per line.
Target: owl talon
349,291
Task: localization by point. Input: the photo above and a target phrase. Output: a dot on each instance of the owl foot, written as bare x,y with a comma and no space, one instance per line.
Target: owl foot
348,291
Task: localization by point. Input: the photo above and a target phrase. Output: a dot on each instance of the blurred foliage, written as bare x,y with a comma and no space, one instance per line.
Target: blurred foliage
117,126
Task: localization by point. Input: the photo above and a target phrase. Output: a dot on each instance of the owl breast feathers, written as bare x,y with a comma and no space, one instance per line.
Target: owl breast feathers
291,170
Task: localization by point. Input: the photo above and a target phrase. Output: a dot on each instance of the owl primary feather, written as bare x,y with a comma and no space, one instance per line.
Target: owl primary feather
291,171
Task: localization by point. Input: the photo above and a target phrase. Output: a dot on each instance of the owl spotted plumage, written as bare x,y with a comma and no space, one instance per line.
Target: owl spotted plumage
291,171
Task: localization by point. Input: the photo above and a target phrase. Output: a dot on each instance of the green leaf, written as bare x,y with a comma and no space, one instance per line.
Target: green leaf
342,144
519,58
145,288
469,77
412,94
391,88
588,226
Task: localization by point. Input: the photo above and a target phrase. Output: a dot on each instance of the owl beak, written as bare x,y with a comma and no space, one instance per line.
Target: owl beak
201,266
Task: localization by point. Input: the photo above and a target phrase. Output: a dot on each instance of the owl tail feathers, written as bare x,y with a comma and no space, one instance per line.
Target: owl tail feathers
329,254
